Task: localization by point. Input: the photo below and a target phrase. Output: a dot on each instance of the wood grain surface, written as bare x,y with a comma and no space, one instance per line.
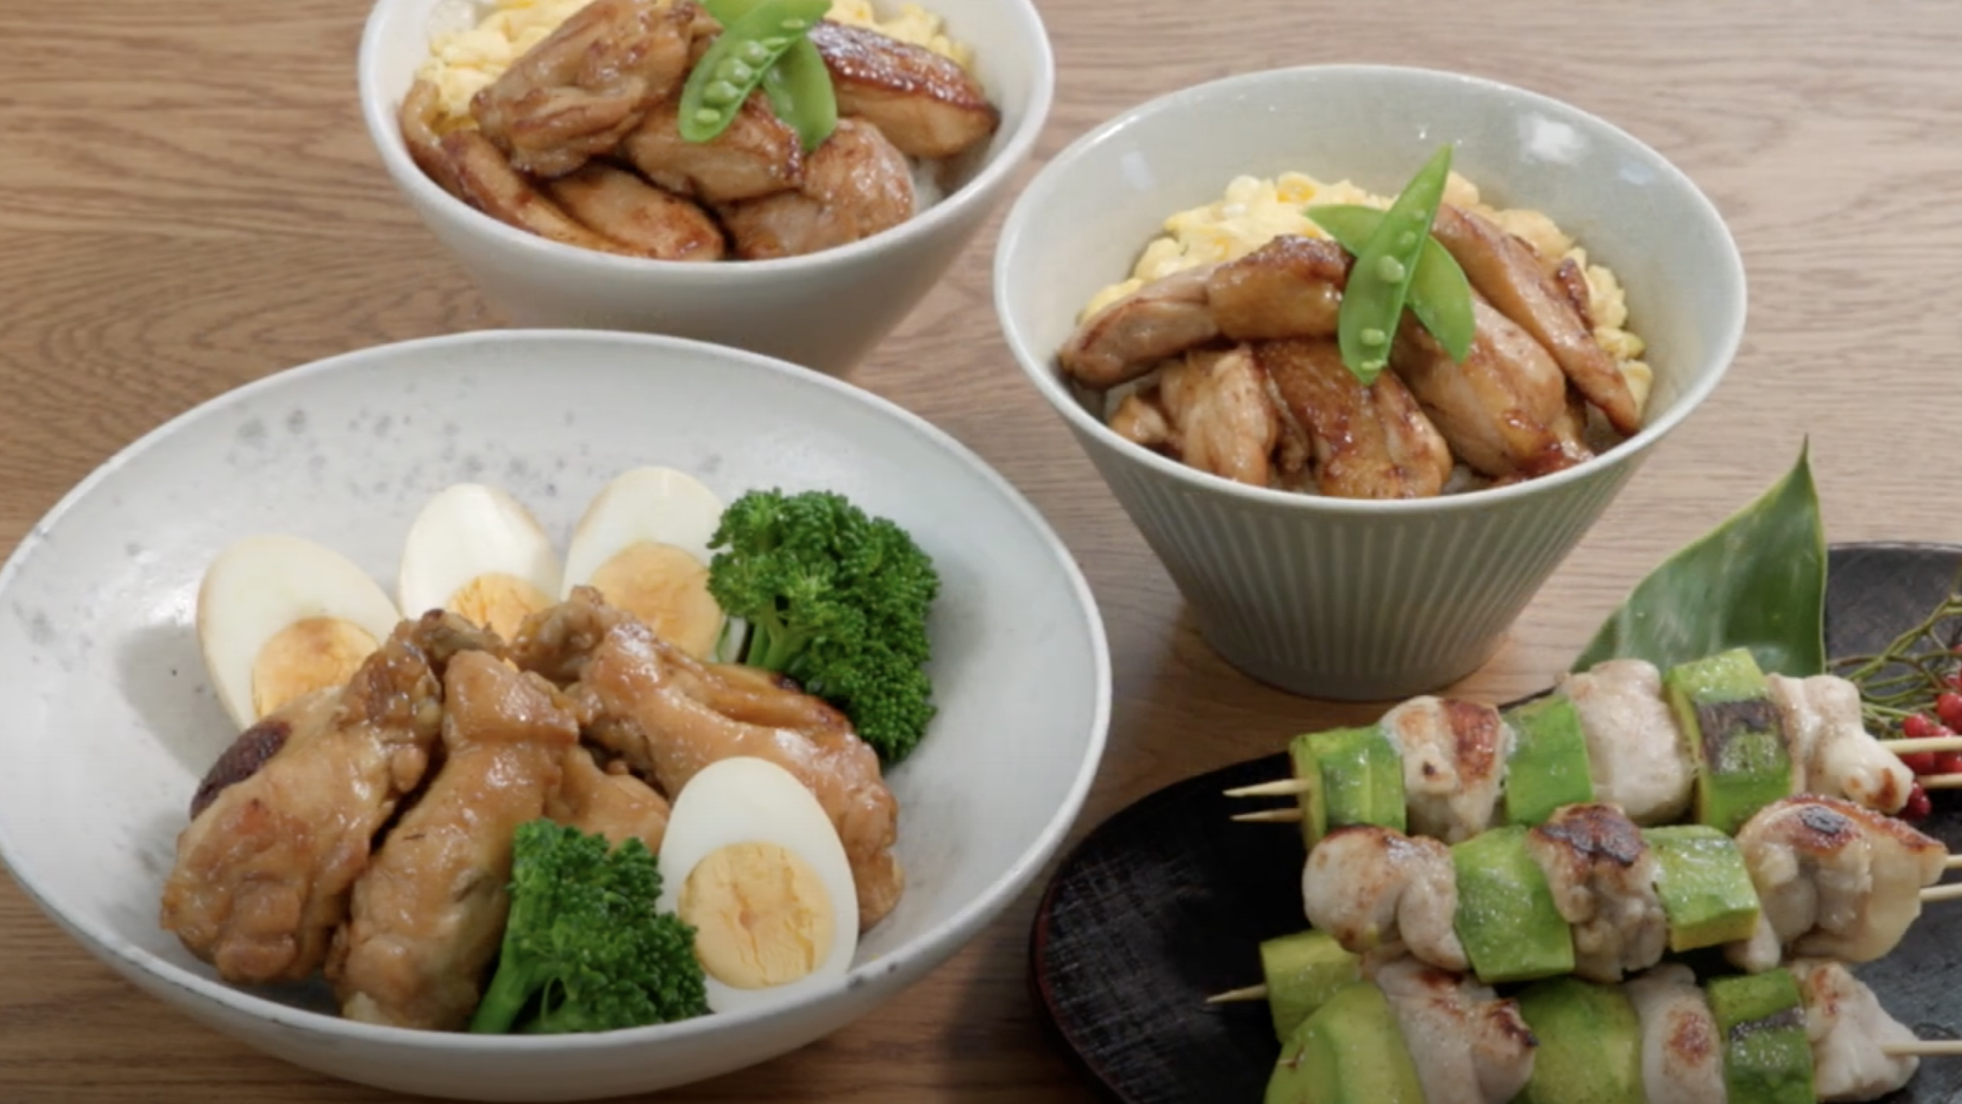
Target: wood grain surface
188,201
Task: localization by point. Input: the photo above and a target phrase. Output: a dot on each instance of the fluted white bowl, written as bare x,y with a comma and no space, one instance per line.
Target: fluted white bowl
1362,599
112,720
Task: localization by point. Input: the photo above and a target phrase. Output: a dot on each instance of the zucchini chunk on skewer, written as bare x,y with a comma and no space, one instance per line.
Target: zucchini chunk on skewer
1351,1051
1506,916
1590,1044
1548,767
1704,886
1355,776
1723,706
1761,1020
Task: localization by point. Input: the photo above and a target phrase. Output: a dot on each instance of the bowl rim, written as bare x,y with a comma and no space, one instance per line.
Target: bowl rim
385,137
1016,237
932,946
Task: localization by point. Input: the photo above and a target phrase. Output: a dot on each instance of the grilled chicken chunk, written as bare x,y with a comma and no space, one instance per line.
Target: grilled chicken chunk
1454,762
757,156
263,873
1834,880
1637,758
1831,751
588,84
1682,1053
1381,893
925,103
854,185
1290,287
1469,1046
1363,442
1507,271
641,218
1848,1028
427,915
1211,410
1504,410
651,704
1602,875
486,181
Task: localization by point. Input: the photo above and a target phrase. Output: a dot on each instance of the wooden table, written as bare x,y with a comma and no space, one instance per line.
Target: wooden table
188,202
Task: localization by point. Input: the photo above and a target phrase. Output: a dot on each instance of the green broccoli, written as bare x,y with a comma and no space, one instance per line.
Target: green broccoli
836,600
584,949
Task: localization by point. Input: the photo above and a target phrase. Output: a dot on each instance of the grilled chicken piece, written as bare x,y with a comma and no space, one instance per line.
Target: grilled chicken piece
417,118
1831,751
854,185
590,82
639,217
608,801
1602,875
1454,762
1507,271
1381,893
1637,758
1848,1028
1469,1046
1682,1053
263,873
427,915
650,703
925,103
1290,287
1834,880
486,181
1504,410
1221,418
1141,419
757,156
1364,442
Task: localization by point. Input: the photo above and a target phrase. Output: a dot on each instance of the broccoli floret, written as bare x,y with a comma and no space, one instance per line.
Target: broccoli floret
836,600
584,949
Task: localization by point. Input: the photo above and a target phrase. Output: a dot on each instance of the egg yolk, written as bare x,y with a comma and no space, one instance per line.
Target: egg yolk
761,915
667,589
498,602
308,655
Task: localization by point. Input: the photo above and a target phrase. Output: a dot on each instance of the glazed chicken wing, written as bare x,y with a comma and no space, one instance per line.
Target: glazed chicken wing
427,915
608,802
854,185
1454,763
577,93
649,702
1504,410
1602,875
640,218
1381,893
925,103
264,871
1364,442
757,156
1506,270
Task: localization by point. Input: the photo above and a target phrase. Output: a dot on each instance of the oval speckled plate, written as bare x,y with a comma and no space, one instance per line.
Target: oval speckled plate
1168,900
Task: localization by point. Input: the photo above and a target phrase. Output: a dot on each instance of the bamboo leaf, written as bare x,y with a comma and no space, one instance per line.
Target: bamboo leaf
1757,581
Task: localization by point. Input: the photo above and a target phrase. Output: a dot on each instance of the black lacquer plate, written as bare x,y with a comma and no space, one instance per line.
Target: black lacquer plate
1168,900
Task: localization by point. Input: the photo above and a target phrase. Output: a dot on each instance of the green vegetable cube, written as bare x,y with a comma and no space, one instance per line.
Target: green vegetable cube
1705,888
1724,708
1506,917
1761,1019
1548,767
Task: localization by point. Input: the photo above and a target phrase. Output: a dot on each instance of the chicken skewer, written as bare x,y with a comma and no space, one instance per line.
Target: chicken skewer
1591,893
1634,750
1413,1033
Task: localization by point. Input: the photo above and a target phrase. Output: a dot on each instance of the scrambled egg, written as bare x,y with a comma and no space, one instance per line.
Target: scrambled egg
1254,211
462,62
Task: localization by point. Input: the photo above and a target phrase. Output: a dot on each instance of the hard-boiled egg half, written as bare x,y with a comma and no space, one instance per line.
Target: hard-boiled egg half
644,544
751,860
477,552
280,617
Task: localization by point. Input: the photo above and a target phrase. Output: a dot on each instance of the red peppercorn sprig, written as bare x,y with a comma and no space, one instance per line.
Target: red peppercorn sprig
1913,688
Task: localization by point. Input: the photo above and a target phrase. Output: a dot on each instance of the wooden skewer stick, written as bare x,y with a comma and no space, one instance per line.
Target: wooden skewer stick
1940,781
1250,993
1924,1048
1951,891
1926,743
1287,787
1270,816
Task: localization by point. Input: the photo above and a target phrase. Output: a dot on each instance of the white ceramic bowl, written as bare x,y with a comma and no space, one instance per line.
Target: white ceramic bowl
112,720
824,311
1356,599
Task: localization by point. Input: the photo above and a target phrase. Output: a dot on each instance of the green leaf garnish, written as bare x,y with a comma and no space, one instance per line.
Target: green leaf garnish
1757,581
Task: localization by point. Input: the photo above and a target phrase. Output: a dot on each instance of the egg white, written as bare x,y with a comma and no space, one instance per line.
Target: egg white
745,799
656,505
261,584
467,531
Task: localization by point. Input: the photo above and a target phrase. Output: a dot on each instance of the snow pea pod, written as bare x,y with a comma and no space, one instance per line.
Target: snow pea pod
1439,295
1757,581
799,84
735,64
1372,303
